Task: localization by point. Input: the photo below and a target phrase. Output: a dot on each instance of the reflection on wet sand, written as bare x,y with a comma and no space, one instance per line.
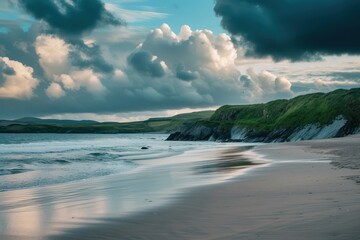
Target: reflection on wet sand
33,213
23,220
230,160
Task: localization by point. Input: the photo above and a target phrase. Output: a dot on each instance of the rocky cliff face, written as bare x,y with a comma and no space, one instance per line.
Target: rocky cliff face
338,128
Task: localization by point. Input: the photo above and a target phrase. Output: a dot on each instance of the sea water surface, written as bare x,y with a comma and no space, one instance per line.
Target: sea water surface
50,183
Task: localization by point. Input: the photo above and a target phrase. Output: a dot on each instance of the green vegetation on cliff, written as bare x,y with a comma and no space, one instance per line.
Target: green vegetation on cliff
317,115
320,108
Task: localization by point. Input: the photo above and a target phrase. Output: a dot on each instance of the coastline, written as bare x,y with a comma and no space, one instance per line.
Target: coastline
293,198
166,171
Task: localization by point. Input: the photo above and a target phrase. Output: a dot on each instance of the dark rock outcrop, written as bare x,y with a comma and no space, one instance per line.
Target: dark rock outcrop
192,133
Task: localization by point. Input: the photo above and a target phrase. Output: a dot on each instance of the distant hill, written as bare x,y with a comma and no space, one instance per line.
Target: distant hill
166,125
188,116
310,116
39,121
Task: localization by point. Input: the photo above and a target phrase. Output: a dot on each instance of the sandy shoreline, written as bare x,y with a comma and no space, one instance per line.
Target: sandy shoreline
290,199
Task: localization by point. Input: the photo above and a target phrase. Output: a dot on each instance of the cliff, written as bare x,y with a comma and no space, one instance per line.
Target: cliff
311,116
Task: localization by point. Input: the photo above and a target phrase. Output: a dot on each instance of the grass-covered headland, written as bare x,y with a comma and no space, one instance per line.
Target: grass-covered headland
317,115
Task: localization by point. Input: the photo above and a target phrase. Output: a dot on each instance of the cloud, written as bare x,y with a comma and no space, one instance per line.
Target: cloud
89,56
322,84
88,79
198,67
146,64
57,61
6,70
185,75
70,17
67,81
74,80
350,75
77,79
134,15
16,80
293,29
55,91
191,65
266,84
17,44
53,54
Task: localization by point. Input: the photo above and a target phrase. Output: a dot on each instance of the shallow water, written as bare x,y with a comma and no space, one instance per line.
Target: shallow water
45,159
51,183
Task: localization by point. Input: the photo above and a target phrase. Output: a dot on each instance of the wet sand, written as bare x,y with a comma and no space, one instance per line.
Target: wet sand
299,196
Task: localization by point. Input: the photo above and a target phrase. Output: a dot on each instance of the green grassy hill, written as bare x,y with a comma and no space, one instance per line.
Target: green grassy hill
280,117
312,108
59,126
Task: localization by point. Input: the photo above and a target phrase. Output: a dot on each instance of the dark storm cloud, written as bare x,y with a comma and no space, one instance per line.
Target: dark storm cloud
143,63
346,75
293,29
81,102
246,81
182,74
93,57
4,69
70,17
17,44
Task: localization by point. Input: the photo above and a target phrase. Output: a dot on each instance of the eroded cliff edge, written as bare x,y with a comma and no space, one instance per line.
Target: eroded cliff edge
311,116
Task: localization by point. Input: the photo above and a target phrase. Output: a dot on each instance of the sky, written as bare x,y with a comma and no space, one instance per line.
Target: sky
128,60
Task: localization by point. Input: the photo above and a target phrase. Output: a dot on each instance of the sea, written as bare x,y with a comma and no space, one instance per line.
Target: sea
50,183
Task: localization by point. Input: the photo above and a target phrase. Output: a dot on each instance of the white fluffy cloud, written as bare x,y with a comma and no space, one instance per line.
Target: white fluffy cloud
16,80
198,50
199,66
88,79
266,84
55,91
54,54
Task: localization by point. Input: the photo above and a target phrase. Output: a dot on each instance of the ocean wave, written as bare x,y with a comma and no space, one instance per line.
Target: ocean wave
13,171
40,160
56,161
58,174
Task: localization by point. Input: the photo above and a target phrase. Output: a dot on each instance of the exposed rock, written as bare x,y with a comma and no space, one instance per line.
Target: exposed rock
338,128
193,133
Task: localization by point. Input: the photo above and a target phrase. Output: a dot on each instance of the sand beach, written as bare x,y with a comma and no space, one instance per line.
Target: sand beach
302,196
